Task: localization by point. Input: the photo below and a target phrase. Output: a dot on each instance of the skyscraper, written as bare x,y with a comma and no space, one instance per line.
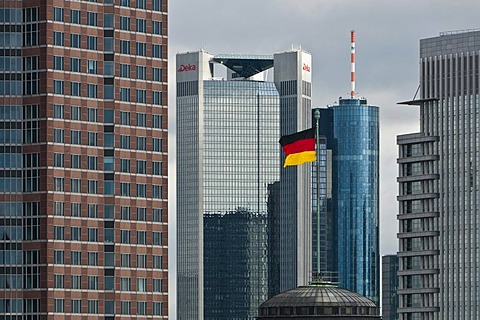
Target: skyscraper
389,287
351,130
83,183
228,127
440,186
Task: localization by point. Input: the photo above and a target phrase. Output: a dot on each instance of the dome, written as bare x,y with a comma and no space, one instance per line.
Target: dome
318,301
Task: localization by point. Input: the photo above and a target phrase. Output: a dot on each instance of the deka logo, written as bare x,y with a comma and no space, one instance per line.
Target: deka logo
306,67
187,67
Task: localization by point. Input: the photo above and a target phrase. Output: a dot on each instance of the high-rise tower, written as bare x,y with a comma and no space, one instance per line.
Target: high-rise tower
346,240
228,171
439,185
83,162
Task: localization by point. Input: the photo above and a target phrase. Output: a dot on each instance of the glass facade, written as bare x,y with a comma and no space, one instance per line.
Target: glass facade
352,133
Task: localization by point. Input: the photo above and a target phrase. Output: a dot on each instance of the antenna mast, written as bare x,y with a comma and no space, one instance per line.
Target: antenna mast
352,62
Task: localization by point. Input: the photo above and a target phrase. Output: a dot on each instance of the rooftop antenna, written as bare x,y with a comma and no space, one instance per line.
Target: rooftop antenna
352,62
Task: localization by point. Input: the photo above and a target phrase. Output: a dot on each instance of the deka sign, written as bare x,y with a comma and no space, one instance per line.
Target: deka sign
187,67
306,67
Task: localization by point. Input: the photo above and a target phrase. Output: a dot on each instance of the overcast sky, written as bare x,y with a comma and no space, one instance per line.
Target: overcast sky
387,33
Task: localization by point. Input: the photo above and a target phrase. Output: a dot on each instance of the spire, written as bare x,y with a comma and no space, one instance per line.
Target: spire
352,61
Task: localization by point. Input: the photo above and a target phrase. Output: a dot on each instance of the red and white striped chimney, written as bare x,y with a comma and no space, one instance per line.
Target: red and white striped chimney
352,60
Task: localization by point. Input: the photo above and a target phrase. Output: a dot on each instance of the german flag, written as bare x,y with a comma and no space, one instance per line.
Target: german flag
299,147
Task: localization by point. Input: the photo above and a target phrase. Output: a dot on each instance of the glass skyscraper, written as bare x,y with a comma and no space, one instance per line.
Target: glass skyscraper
83,161
439,237
351,129
228,129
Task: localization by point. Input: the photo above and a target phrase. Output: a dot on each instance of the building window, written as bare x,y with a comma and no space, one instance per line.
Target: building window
141,119
141,190
58,38
92,234
157,309
59,281
75,113
125,165
157,262
58,14
92,43
124,46
92,139
76,306
75,40
75,234
75,89
157,5
75,137
108,20
141,143
140,96
59,208
141,237
92,114
59,257
141,72
75,65
156,51
141,4
125,94
124,23
58,87
125,236
76,282
75,16
125,213
92,187
124,142
92,18
157,27
157,285
125,3
157,238
141,166
157,74
141,214
59,160
59,111
92,282
75,185
157,214
141,25
92,210
125,305
93,306
157,97
92,66
157,144
75,161
92,258
125,260
76,258
141,261
76,209
59,305
157,120
157,168
141,305
125,118
125,189
58,233
58,184
141,49
125,70
58,63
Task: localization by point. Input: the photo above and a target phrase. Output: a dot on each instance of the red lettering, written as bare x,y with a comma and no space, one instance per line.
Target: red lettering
187,67
306,67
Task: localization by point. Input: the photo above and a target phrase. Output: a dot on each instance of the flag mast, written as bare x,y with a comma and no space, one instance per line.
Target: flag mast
317,151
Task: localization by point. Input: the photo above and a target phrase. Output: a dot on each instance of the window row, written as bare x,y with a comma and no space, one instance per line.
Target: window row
108,188
126,237
108,164
108,260
109,307
92,44
92,91
108,114
126,284
75,137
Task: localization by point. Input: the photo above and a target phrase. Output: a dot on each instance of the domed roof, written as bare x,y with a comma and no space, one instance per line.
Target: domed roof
318,295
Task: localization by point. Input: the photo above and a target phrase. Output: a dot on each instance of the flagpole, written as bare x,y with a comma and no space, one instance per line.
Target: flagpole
317,140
